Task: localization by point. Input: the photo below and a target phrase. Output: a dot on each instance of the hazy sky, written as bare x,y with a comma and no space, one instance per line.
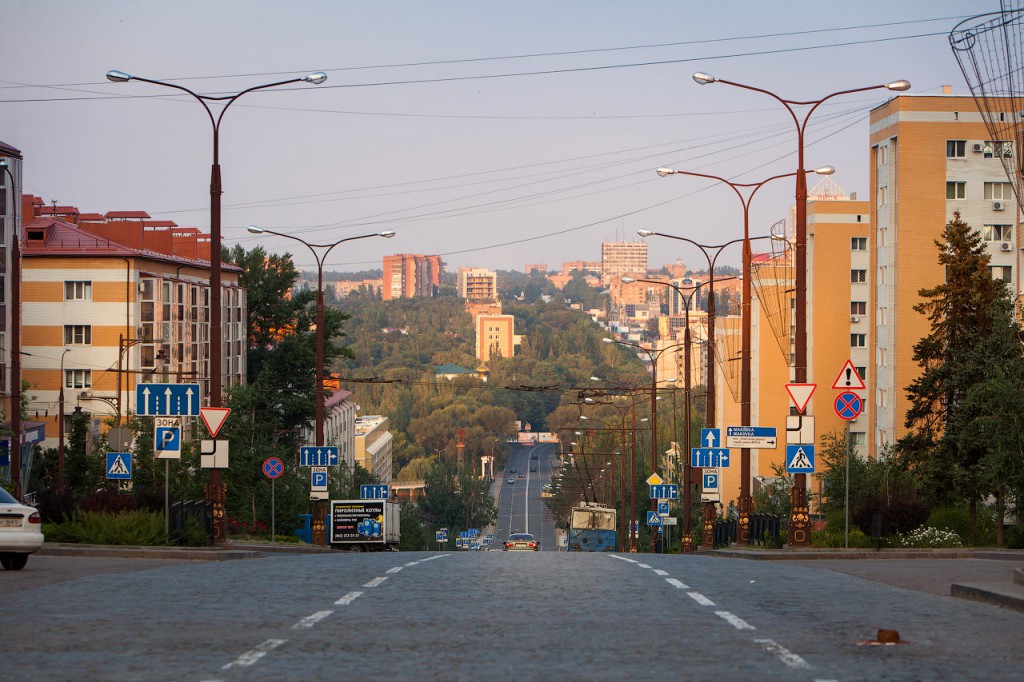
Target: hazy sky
494,133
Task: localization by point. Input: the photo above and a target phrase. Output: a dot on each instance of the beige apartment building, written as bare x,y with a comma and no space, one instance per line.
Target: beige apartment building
477,284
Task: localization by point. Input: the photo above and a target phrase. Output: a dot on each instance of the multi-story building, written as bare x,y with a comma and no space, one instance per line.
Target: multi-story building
411,276
373,446
495,336
931,156
477,284
107,305
10,205
339,424
623,258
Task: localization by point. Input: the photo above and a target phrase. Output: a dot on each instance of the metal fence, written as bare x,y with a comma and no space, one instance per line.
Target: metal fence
764,530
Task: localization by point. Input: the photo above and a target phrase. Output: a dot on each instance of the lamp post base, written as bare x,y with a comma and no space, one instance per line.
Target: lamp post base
746,506
799,518
709,524
687,543
319,524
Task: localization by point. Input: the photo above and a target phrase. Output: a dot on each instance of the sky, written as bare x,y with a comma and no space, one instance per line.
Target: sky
495,134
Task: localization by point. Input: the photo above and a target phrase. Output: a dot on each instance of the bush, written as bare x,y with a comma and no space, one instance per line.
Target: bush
108,501
833,538
958,520
1015,537
100,528
194,534
929,538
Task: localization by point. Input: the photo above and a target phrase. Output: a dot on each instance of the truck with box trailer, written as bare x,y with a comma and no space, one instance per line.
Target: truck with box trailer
364,525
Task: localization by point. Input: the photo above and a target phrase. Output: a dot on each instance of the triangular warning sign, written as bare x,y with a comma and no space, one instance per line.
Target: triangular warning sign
800,394
799,461
214,418
848,379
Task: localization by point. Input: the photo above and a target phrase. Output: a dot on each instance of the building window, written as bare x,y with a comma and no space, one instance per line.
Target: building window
881,317
882,153
857,276
77,291
857,438
883,196
77,334
956,149
859,243
862,372
997,233
880,357
1001,272
883,274
956,189
998,148
880,398
78,378
998,191
858,340
858,307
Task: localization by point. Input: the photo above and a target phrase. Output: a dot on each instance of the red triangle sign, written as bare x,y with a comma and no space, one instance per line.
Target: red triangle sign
800,394
849,379
214,418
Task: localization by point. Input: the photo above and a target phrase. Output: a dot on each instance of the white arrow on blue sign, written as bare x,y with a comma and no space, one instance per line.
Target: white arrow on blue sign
373,492
709,458
167,400
669,491
318,456
709,438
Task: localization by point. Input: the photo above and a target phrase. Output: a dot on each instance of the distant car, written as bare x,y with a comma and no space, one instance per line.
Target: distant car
533,468
522,475
520,542
511,481
512,470
20,532
533,457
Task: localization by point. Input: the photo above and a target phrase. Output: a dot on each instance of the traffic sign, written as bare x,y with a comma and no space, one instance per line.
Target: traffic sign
213,454
710,480
167,438
663,508
318,479
119,466
318,456
273,467
441,536
800,394
800,459
373,492
752,437
665,492
710,438
167,400
799,429
704,458
214,418
848,405
849,379
653,519
655,479
669,521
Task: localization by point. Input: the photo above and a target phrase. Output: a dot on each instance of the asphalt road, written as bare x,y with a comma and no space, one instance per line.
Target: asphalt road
521,509
550,615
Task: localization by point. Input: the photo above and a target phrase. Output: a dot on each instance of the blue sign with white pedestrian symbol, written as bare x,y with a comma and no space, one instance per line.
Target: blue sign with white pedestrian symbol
167,400
800,459
709,458
373,492
665,491
710,438
318,456
710,481
119,466
653,519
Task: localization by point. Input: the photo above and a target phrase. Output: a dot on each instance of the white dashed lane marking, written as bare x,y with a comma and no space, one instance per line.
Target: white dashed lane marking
734,621
253,655
700,599
311,620
376,581
348,598
677,584
396,569
787,656
658,571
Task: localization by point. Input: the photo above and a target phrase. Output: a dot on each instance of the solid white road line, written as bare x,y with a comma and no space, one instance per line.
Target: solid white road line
734,621
376,581
787,656
311,620
250,657
348,598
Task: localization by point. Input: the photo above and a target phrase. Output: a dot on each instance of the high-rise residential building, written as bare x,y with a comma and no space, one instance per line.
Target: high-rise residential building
10,209
931,156
623,258
495,336
411,276
477,284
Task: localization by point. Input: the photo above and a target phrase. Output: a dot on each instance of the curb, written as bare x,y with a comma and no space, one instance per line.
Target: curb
140,552
872,554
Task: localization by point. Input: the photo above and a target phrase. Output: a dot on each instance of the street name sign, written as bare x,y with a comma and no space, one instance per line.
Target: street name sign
704,458
318,456
167,400
751,437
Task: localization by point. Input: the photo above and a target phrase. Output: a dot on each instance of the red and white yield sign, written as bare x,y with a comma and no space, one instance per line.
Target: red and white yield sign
214,418
800,394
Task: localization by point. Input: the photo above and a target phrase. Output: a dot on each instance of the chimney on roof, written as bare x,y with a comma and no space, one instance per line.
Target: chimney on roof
947,89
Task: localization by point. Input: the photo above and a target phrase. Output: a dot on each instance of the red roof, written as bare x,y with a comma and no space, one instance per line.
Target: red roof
127,215
90,218
159,223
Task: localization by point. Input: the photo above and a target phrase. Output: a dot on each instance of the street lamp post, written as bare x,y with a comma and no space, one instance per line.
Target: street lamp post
319,526
216,491
60,426
745,502
15,442
799,514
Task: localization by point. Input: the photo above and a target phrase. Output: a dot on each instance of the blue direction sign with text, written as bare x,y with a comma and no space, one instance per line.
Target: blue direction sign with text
800,459
373,492
709,458
167,400
318,456
751,437
665,492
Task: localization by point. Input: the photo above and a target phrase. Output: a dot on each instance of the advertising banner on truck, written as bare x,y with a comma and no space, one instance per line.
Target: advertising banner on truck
357,520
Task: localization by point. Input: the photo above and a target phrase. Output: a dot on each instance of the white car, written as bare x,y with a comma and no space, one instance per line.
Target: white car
20,532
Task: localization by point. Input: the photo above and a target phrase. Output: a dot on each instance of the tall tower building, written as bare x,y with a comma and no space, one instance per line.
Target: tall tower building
623,258
931,156
411,275
477,284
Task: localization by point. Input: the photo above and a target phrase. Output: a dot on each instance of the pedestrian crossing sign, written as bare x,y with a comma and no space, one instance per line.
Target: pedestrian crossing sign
800,459
119,466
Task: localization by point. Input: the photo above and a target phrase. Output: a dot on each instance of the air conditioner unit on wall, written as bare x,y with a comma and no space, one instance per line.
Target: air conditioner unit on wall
977,147
854,318
1005,246
998,205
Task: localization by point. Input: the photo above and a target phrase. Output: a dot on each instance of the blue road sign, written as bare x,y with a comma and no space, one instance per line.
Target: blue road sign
167,400
848,405
373,492
441,536
464,534
318,456
710,438
666,491
653,519
751,437
318,480
800,459
709,458
710,481
663,508
273,467
119,466
168,439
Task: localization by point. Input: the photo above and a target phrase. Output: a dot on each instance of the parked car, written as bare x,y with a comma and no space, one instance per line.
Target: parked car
20,532
521,541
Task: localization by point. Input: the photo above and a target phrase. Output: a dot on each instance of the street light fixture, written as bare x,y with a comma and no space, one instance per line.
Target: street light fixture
745,192
799,534
215,491
318,527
